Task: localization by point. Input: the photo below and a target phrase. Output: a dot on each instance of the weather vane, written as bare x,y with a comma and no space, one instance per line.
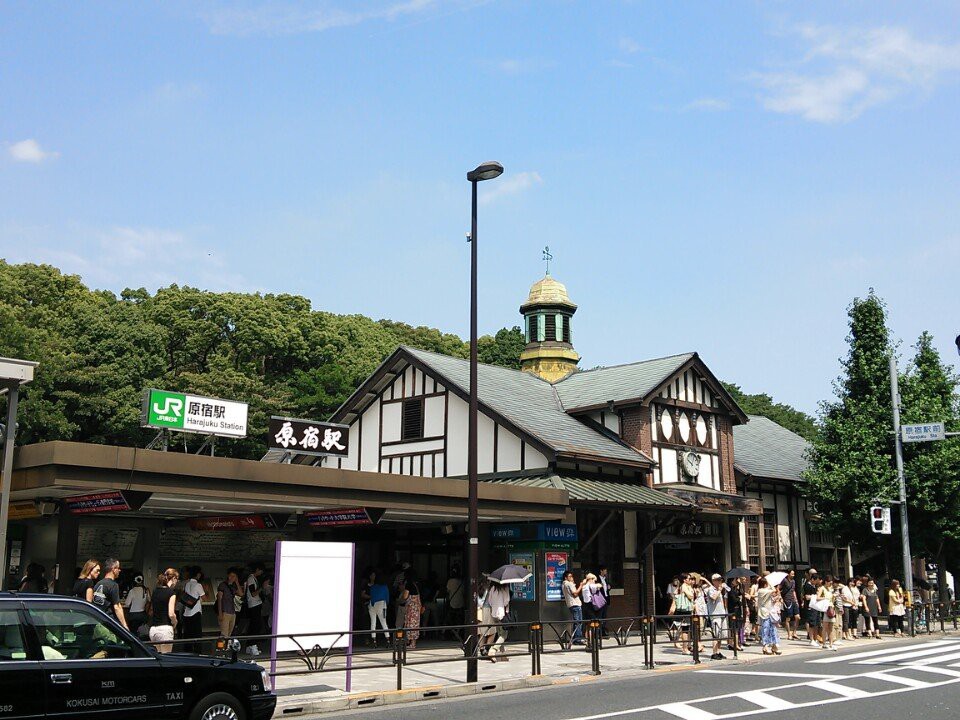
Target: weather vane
547,257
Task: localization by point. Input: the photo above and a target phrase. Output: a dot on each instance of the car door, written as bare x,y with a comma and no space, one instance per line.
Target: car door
93,668
21,689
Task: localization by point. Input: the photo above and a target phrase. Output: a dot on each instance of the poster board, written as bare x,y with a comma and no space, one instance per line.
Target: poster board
555,563
527,590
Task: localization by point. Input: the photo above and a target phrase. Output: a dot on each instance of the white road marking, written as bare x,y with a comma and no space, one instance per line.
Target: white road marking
847,692
877,653
766,700
842,692
682,710
931,660
908,655
772,674
902,679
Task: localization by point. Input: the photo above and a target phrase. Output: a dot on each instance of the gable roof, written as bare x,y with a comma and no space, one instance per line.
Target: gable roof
763,448
597,387
531,405
590,491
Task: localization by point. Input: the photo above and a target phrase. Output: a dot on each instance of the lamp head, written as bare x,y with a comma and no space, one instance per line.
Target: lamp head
485,171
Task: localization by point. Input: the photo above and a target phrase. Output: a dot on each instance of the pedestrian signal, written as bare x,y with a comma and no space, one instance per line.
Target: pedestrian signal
880,520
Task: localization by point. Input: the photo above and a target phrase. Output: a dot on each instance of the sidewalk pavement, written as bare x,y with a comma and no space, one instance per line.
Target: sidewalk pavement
444,671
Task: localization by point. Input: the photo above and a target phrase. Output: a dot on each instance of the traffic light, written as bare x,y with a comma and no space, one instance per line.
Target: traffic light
880,520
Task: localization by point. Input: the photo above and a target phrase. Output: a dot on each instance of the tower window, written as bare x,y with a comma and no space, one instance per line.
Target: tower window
412,419
550,323
531,328
541,332
566,328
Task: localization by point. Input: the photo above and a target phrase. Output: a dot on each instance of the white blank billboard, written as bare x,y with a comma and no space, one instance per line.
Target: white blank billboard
313,594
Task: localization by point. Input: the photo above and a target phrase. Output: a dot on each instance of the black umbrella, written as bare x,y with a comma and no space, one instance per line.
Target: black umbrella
739,572
510,575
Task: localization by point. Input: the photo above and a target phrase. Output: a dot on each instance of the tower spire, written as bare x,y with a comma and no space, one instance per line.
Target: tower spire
547,256
547,313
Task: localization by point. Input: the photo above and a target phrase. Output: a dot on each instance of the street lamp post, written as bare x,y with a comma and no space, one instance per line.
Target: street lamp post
486,171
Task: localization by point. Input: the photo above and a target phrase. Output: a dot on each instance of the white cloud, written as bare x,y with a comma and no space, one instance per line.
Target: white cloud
293,18
511,185
707,104
124,256
521,66
845,72
629,46
30,151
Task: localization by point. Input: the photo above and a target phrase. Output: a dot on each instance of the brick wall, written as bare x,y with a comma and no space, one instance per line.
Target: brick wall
628,604
728,481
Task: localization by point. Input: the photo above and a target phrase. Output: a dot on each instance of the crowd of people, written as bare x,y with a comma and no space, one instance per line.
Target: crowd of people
173,609
749,609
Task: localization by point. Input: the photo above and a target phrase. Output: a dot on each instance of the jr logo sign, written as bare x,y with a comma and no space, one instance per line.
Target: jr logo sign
166,409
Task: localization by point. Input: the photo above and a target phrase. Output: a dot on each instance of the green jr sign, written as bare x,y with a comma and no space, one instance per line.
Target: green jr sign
183,412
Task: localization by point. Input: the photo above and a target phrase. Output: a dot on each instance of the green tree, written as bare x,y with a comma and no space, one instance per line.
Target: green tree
781,413
503,349
928,393
852,454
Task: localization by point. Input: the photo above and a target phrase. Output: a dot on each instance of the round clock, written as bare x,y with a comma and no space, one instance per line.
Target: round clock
690,463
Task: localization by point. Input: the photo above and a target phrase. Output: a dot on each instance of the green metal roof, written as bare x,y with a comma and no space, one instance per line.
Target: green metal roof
763,448
591,490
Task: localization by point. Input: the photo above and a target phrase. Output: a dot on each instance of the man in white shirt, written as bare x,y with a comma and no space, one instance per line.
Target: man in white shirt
252,590
717,612
193,616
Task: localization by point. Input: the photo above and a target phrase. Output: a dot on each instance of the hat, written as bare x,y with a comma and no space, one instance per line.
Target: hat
812,571
716,576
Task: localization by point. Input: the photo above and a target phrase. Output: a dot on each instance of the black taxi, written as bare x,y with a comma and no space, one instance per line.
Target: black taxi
63,658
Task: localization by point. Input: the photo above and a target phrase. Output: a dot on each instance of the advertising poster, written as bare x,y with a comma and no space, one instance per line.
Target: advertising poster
528,590
556,566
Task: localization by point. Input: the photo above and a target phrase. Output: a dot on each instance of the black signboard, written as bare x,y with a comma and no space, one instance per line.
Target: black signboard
109,501
308,437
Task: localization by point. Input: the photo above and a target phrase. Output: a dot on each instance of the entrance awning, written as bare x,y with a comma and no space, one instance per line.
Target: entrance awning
183,485
592,491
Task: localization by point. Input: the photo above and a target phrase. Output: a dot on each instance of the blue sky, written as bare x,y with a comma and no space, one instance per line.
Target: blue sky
719,177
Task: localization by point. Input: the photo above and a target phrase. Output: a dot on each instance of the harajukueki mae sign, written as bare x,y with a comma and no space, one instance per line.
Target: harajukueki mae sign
182,412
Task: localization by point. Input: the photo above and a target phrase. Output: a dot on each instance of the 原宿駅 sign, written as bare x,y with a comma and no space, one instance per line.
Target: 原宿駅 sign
308,437
182,412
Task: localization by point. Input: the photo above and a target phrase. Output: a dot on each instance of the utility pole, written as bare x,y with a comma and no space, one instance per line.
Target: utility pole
904,526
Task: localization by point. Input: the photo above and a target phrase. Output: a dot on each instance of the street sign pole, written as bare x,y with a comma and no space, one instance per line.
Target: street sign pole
904,526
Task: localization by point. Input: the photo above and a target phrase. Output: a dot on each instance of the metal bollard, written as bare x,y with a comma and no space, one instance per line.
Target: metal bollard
399,654
534,645
733,634
695,634
594,647
649,625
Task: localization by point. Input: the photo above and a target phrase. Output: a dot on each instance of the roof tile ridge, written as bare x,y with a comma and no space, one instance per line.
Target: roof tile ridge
620,365
482,364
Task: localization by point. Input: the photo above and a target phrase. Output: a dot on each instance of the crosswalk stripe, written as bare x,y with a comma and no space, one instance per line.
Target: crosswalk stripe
906,655
766,700
935,669
901,679
687,712
843,690
932,660
877,653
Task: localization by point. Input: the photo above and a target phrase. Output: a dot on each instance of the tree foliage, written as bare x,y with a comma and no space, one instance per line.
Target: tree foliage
97,353
852,454
782,414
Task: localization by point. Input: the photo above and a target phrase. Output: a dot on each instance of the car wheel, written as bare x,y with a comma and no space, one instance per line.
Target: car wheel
219,706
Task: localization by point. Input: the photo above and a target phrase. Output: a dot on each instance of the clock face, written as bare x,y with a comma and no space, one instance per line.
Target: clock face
691,464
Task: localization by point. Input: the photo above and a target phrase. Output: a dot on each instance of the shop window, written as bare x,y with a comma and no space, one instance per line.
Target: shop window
771,551
412,419
753,543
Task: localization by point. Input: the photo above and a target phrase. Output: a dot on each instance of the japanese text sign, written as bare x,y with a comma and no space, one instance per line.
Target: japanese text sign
194,414
923,432
308,437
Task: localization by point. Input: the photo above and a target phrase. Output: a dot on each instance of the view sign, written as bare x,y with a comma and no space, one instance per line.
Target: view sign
308,437
181,412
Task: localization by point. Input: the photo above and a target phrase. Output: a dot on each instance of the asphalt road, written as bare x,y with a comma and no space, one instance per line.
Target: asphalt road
896,680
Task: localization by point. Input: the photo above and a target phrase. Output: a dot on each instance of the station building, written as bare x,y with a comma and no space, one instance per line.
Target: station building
649,468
